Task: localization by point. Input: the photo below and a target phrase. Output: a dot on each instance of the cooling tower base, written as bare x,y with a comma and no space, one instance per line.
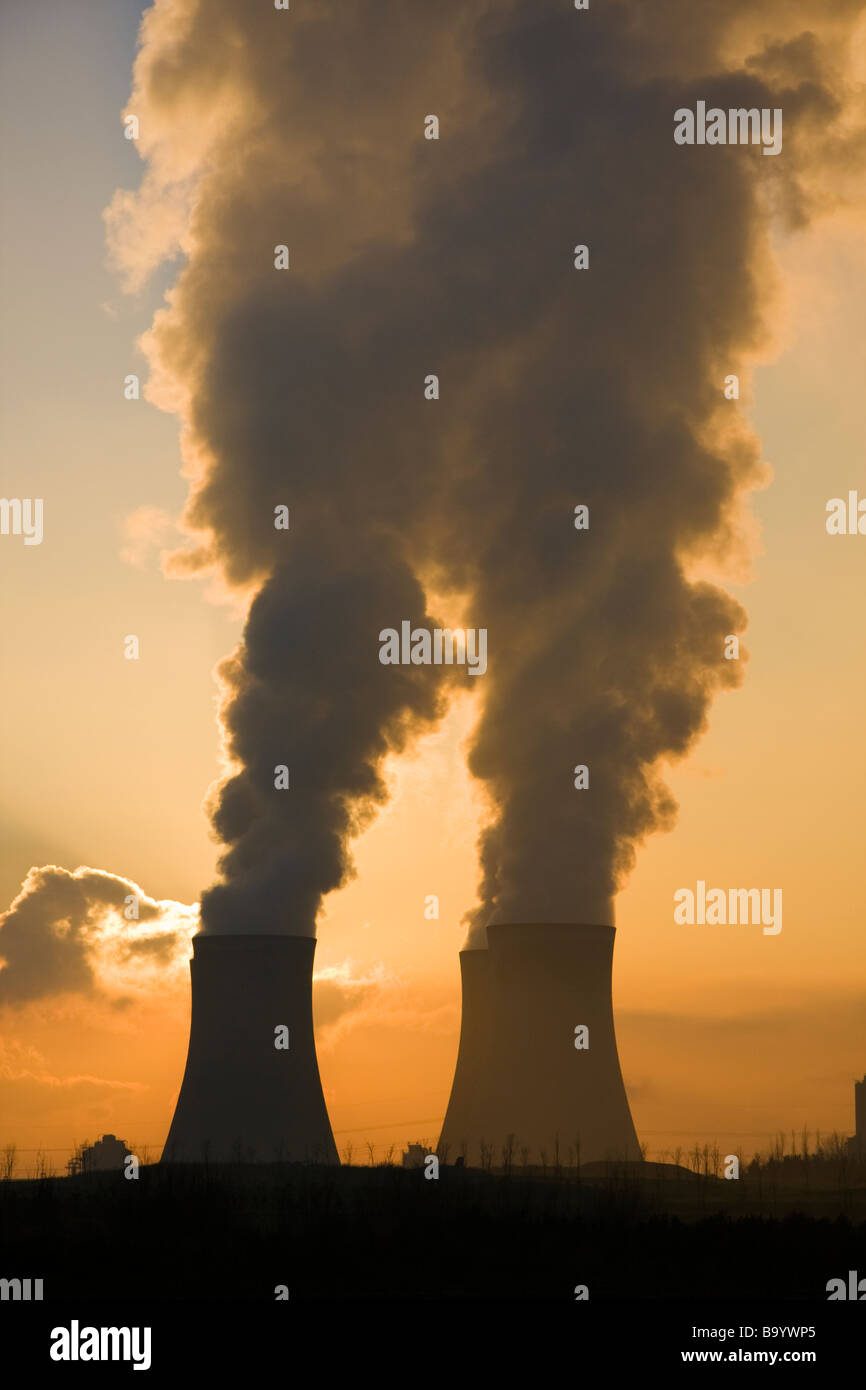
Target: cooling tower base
523,1090
243,1099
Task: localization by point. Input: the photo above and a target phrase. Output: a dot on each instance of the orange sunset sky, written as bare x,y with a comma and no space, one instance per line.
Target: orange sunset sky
725,1034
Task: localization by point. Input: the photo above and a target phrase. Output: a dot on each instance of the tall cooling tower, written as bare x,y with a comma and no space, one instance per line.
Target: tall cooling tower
526,1078
243,1098
462,1125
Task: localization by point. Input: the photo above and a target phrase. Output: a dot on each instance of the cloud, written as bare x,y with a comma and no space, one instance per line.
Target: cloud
76,932
341,991
20,1063
796,1056
144,530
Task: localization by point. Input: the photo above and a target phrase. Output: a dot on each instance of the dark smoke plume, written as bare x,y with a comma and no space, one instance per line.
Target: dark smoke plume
559,387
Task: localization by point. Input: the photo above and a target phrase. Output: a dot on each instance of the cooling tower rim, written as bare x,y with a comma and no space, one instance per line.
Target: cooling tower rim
248,940
568,934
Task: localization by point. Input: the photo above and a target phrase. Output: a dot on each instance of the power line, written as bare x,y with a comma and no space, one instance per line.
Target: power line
436,1119
358,1129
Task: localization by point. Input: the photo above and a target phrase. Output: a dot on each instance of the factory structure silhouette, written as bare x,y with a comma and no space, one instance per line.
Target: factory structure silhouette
537,1065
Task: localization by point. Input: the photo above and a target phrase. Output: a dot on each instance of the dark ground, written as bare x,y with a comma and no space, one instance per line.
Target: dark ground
650,1232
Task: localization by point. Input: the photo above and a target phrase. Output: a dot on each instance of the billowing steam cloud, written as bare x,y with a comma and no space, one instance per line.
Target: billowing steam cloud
559,387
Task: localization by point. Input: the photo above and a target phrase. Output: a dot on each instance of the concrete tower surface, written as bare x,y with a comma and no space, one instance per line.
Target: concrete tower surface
544,981
463,1125
242,1097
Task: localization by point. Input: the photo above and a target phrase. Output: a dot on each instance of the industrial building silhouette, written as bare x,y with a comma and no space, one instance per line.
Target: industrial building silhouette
108,1154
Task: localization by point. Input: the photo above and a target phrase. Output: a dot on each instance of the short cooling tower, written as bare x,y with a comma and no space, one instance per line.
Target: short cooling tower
243,1099
527,1086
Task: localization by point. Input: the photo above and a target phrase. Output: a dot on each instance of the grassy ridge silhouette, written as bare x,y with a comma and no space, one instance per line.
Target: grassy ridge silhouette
627,1231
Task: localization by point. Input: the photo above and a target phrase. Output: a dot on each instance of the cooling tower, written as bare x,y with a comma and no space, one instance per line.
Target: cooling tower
462,1125
243,1098
523,1075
